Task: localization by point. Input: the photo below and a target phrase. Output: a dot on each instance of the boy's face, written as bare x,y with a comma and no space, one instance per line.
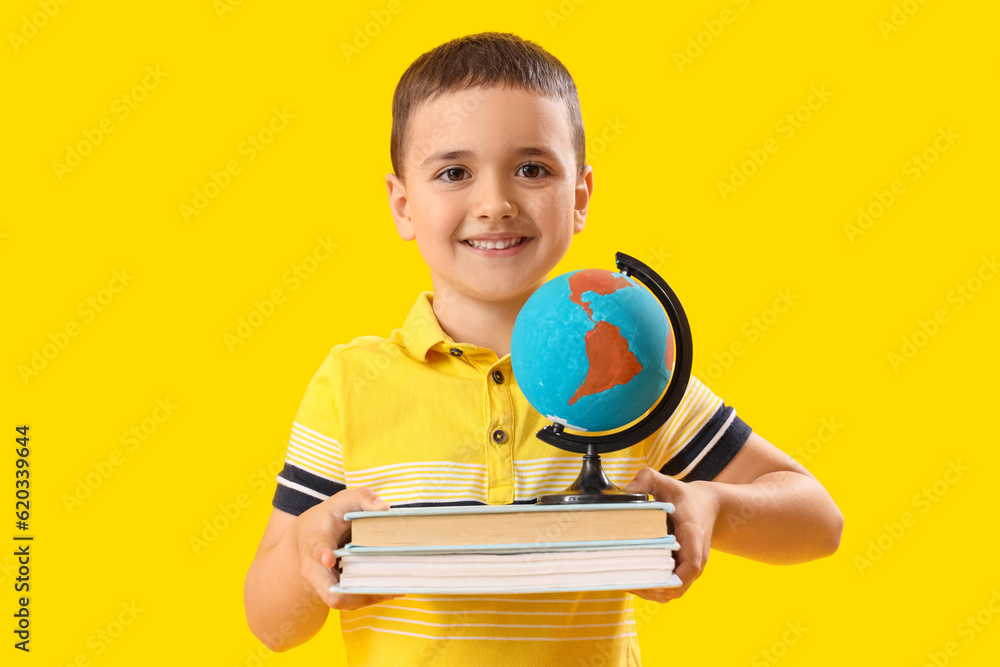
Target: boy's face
490,167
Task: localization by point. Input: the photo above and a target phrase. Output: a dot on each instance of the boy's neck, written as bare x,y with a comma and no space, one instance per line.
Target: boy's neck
484,324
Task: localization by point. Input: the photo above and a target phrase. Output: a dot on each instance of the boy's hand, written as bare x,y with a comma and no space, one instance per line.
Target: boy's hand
321,529
695,510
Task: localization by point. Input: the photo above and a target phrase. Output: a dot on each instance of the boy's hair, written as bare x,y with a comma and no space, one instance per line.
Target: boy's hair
485,60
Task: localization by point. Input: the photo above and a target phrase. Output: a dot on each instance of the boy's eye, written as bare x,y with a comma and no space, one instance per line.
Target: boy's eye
532,170
452,174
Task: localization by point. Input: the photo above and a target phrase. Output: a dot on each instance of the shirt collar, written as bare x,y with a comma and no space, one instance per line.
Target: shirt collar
422,332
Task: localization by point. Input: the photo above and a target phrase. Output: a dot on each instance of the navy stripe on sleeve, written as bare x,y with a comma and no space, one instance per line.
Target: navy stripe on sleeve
721,453
290,499
679,462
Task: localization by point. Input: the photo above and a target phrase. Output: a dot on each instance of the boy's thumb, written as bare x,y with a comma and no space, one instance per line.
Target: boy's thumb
641,482
371,501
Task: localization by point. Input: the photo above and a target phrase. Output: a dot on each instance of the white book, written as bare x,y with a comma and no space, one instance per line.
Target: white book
509,569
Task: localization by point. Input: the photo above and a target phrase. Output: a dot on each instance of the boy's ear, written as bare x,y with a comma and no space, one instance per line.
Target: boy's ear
399,205
584,188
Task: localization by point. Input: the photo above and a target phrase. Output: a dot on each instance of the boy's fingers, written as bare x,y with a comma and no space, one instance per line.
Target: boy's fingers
649,481
689,569
350,602
692,557
324,532
322,548
656,594
320,579
664,488
350,500
643,482
668,594
353,500
334,535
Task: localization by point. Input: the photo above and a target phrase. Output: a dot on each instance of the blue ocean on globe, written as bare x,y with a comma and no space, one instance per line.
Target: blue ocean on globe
592,350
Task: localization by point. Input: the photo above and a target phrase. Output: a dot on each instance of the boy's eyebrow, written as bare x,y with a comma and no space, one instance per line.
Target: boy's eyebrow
447,156
532,151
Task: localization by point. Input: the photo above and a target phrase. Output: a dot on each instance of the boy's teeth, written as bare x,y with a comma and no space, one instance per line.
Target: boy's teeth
494,245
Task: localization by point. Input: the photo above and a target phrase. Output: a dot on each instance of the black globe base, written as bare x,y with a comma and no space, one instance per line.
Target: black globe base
592,486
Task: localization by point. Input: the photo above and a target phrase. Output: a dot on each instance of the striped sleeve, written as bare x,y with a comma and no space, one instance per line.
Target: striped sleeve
314,458
700,438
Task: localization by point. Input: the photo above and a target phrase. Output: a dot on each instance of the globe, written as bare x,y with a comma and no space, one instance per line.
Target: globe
592,350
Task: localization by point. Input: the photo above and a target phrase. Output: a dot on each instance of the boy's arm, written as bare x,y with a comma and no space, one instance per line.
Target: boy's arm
286,593
763,505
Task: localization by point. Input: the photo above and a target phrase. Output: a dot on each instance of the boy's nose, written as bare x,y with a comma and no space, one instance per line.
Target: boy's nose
494,200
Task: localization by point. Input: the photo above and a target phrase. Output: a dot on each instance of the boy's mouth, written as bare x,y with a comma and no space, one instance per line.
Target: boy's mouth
496,244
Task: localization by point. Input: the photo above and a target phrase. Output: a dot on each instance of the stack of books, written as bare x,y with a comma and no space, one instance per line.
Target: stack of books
509,549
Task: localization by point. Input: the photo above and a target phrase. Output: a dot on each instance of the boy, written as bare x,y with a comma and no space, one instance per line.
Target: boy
491,181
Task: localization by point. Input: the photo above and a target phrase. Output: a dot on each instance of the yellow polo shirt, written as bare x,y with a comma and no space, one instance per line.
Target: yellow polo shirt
423,420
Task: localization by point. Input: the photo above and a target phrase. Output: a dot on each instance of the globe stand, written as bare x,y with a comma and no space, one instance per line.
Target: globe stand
592,485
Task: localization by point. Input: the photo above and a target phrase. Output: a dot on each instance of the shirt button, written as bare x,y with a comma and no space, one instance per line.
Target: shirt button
499,436
455,352
498,377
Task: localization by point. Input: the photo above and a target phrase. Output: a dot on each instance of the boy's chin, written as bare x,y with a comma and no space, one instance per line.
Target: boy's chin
492,294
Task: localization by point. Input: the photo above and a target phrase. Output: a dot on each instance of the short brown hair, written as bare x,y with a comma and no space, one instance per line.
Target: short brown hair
487,59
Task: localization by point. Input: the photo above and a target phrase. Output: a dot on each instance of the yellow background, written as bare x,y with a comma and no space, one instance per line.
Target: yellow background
670,134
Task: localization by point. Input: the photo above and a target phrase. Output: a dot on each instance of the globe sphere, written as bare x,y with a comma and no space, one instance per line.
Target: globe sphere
592,350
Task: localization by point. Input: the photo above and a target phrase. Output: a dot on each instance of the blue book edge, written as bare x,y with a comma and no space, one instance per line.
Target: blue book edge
668,542
673,582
